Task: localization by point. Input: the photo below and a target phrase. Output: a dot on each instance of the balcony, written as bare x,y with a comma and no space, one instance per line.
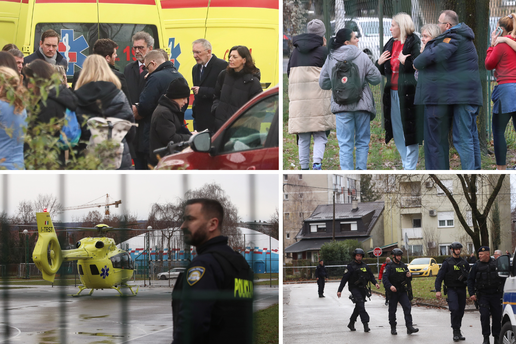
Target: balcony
410,201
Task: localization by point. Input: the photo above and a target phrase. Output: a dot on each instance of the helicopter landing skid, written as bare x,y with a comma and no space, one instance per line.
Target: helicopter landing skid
127,286
81,288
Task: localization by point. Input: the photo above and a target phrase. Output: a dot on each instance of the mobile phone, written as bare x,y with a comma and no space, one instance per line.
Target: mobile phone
499,31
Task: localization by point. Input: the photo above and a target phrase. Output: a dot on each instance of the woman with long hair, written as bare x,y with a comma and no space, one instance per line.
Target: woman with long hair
353,120
12,119
236,85
403,119
99,94
502,58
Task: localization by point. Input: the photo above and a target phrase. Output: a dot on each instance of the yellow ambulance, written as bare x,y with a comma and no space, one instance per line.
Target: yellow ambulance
174,24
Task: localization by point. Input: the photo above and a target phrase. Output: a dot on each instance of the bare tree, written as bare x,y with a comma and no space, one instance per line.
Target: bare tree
274,220
48,202
479,212
431,237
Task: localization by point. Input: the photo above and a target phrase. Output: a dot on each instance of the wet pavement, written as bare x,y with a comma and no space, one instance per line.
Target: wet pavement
44,314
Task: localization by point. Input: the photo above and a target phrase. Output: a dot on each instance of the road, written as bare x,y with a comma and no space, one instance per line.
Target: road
41,314
310,319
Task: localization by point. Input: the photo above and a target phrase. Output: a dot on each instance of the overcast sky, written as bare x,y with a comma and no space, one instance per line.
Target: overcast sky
141,191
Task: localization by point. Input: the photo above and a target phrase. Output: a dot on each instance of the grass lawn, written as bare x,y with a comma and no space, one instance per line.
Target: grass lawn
267,325
421,287
264,276
381,156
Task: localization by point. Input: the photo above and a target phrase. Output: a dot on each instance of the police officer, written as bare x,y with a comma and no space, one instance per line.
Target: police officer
358,275
397,279
454,271
486,288
213,301
321,274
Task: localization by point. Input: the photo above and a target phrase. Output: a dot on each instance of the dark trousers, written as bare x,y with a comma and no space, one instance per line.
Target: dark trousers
490,305
320,283
456,304
402,298
500,122
141,161
437,124
359,295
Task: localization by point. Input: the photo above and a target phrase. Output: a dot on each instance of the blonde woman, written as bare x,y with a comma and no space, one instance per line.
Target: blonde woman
403,120
502,58
99,94
12,120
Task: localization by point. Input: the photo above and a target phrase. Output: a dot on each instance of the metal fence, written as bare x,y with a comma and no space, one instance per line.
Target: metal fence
365,16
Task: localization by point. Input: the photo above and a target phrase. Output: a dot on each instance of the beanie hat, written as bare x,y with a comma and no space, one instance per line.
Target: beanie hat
316,26
178,89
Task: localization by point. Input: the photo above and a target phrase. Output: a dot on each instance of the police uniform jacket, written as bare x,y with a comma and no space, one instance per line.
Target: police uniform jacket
320,271
395,275
201,310
483,278
450,272
357,276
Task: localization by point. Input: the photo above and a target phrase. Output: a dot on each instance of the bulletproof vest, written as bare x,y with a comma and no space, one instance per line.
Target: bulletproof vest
360,276
397,274
487,276
457,273
232,315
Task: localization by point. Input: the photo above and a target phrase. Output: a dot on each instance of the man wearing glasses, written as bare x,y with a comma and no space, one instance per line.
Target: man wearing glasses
135,75
449,87
204,77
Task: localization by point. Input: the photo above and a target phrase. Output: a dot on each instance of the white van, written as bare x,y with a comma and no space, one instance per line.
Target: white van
507,268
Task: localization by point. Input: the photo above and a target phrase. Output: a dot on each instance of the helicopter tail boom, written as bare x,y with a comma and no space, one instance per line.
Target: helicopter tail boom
47,254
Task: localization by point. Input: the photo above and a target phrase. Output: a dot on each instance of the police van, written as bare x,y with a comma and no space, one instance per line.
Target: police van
507,268
173,24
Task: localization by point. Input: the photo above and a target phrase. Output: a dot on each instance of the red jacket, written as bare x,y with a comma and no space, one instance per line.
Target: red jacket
382,269
503,58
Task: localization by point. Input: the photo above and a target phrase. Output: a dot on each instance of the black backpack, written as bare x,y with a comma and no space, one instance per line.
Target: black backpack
346,85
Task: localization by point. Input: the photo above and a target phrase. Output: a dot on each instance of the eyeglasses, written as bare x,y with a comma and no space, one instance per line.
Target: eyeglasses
196,52
139,48
442,23
146,67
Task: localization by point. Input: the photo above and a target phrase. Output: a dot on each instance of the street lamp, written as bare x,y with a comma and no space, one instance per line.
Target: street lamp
26,232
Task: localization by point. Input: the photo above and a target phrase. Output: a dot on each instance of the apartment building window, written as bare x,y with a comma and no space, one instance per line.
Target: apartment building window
285,177
289,255
285,197
445,219
416,223
444,249
469,218
415,250
300,214
288,235
348,226
448,183
287,216
317,227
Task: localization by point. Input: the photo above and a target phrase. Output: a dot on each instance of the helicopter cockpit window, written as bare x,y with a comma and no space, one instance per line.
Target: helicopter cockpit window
122,261
94,270
80,269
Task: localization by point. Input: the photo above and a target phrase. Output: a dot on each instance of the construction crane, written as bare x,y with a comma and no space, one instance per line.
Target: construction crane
96,205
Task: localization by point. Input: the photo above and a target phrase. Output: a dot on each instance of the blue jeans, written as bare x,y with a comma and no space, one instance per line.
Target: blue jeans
500,122
353,130
438,119
409,154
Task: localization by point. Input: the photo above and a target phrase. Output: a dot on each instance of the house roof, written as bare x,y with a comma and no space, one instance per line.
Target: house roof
313,244
344,212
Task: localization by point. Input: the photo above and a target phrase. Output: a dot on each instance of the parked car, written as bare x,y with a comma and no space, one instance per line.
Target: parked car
170,274
507,269
423,267
247,141
368,33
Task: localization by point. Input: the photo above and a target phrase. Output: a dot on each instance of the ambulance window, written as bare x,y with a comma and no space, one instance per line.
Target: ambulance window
251,129
77,41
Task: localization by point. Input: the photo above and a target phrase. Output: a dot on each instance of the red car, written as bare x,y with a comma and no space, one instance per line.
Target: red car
247,141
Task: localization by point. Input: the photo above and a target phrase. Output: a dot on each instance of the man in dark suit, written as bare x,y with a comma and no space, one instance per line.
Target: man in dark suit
204,77
48,50
106,48
135,75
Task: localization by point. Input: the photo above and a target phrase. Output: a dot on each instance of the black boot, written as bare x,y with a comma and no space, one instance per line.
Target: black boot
456,335
411,329
351,326
393,329
366,327
461,337
495,339
486,340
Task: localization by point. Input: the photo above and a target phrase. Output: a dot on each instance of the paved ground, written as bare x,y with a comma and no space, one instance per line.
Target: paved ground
43,314
310,319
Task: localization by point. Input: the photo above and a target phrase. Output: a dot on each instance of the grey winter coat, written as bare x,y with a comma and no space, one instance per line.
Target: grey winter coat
369,74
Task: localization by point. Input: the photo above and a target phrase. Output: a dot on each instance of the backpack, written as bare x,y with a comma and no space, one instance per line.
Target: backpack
345,83
112,129
70,132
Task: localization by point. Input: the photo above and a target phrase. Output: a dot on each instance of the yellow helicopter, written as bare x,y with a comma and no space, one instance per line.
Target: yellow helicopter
100,263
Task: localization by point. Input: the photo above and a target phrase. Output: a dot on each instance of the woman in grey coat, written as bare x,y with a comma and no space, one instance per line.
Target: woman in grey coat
353,120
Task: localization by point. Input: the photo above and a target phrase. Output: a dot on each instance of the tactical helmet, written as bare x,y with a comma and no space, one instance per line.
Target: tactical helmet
456,245
358,251
397,252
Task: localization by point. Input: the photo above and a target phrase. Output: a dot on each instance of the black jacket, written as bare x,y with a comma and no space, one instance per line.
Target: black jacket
351,276
167,124
411,115
233,90
320,272
135,81
57,104
308,51
113,103
60,60
118,74
201,108
156,85
395,275
447,273
212,300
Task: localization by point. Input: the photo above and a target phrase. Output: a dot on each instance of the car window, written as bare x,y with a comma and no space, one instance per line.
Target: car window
371,28
251,129
77,40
